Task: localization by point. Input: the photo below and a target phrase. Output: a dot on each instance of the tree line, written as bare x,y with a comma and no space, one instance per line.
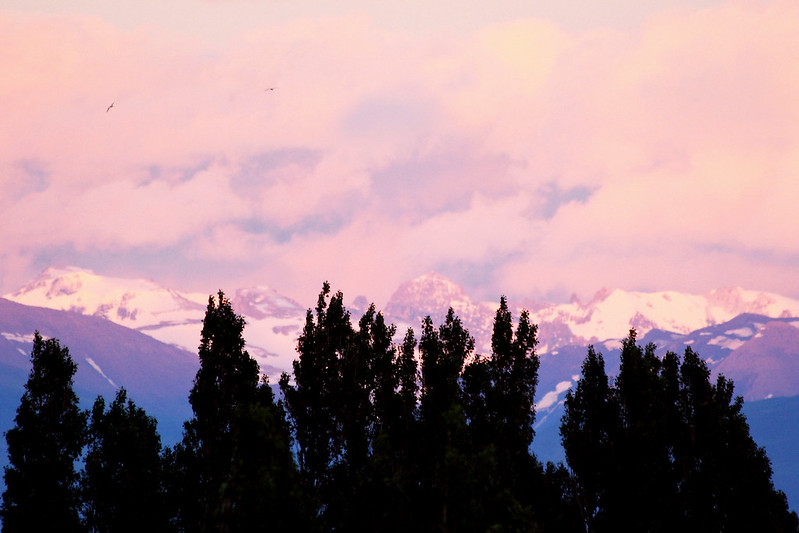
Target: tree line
367,434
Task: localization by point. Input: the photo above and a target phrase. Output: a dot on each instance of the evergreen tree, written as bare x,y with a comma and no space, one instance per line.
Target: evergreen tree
49,433
122,480
227,378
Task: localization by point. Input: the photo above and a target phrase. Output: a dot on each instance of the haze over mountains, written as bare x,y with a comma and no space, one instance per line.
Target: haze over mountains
143,336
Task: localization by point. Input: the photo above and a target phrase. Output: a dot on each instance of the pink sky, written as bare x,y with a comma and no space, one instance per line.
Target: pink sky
530,150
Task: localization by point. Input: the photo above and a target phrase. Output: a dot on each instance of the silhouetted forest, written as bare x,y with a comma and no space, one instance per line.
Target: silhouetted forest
367,434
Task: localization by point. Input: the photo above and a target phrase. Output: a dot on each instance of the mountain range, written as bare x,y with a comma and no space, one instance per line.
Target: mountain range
274,321
143,336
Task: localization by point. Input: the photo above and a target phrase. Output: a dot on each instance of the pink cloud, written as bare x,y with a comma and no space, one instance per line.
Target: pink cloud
411,152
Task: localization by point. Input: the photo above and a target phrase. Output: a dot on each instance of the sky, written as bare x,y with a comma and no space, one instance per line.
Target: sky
529,148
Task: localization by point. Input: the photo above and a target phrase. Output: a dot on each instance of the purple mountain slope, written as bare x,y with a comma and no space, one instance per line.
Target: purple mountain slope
158,376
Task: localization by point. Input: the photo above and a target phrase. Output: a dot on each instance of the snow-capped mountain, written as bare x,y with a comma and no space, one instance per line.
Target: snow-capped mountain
609,315
273,320
433,295
758,353
138,304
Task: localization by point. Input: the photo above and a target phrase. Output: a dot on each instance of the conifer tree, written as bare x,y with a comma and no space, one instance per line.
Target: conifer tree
121,485
49,433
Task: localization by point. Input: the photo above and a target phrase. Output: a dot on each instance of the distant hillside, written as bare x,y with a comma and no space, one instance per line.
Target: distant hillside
157,376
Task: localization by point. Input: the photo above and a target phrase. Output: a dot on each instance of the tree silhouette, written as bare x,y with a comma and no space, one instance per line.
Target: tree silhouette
121,484
227,378
664,449
262,491
49,433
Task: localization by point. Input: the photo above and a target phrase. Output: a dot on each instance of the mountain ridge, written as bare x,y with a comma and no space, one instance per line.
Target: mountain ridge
274,320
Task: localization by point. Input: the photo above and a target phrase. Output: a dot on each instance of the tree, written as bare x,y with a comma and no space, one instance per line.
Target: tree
725,482
589,429
447,477
49,433
227,378
317,399
664,449
262,492
645,477
498,397
122,480
345,398
393,491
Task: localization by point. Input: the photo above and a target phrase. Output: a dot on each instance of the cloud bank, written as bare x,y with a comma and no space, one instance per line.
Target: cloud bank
521,157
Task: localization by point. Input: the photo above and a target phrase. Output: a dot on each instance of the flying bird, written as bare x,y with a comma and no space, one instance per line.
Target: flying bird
270,88
109,107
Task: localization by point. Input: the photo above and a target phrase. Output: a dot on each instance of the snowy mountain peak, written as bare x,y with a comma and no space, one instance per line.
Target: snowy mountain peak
431,294
130,302
261,302
736,300
273,320
611,313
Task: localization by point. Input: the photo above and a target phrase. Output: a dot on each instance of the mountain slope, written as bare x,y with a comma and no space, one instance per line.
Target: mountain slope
273,320
157,376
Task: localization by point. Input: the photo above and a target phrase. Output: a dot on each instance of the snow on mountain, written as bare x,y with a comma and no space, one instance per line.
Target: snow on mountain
610,314
751,337
273,321
433,294
138,304
157,376
760,354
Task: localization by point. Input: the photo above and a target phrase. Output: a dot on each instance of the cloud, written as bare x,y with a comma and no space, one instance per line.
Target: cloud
521,157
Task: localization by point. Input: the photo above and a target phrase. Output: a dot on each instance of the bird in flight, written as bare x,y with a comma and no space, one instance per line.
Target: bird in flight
109,107
270,88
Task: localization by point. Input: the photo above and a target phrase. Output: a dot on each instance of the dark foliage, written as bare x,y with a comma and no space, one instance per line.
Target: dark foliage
371,435
225,395
122,479
49,433
664,449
